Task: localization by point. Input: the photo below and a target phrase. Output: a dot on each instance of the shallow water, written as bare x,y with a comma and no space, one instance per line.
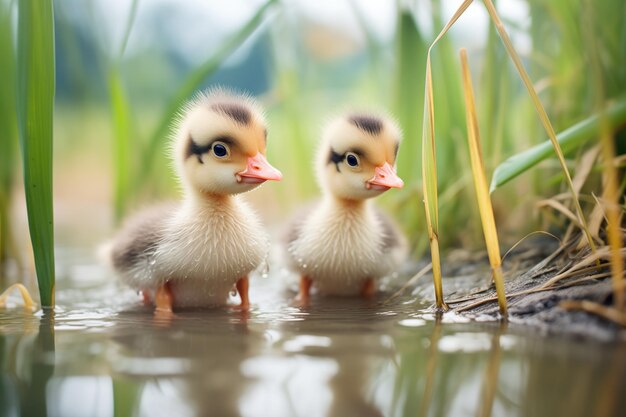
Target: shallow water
103,354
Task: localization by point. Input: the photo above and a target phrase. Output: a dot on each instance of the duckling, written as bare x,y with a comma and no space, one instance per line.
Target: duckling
191,254
344,244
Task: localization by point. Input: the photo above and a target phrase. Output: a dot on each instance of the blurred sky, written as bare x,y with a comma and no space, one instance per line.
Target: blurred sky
197,27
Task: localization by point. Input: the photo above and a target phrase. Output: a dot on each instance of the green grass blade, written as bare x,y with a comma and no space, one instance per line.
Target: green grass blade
129,26
35,113
120,110
122,126
411,52
569,139
191,83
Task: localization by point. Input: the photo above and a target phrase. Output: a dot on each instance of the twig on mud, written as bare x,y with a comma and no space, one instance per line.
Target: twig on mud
601,253
607,313
534,290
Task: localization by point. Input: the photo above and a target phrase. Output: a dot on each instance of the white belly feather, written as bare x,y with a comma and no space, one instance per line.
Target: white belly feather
340,249
204,251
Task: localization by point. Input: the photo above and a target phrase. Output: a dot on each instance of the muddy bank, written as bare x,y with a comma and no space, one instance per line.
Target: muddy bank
468,291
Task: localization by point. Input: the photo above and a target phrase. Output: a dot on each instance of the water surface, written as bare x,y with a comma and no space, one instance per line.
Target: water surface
103,354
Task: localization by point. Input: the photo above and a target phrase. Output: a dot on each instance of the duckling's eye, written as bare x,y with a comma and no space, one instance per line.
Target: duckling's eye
220,149
352,160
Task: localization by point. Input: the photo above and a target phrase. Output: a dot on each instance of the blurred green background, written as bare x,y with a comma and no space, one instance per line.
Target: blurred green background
124,67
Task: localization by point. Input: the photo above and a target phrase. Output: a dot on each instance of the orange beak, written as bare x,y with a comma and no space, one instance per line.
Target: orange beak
385,178
258,171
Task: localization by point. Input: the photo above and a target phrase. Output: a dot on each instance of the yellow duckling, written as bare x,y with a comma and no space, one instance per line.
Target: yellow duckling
344,244
191,254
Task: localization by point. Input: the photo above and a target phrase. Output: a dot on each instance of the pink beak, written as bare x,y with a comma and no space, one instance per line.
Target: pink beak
258,171
385,177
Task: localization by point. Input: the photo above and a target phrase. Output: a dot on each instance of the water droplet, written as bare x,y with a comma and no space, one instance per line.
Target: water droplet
265,267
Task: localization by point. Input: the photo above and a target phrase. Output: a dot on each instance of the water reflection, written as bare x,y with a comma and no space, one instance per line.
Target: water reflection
491,377
336,357
188,363
28,362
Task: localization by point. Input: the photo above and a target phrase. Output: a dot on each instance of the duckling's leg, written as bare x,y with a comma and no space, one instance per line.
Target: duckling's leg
305,289
369,288
163,298
242,289
146,297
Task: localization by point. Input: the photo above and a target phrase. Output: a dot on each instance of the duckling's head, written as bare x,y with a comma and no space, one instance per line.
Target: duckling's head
358,155
219,147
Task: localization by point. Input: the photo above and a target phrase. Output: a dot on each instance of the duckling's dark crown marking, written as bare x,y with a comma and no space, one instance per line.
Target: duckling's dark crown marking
237,112
369,124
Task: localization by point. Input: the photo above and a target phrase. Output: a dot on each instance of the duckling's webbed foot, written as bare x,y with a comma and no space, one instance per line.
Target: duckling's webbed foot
163,299
242,289
369,288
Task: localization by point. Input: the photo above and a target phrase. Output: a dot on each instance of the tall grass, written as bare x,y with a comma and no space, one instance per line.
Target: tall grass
429,169
543,116
35,58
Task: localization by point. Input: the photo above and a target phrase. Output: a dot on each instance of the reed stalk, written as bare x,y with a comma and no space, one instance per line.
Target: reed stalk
429,165
480,184
611,178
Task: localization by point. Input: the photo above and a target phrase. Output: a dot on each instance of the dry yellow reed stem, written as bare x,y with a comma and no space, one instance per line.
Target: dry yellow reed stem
480,184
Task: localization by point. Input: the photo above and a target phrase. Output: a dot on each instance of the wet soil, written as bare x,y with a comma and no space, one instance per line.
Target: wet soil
469,291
